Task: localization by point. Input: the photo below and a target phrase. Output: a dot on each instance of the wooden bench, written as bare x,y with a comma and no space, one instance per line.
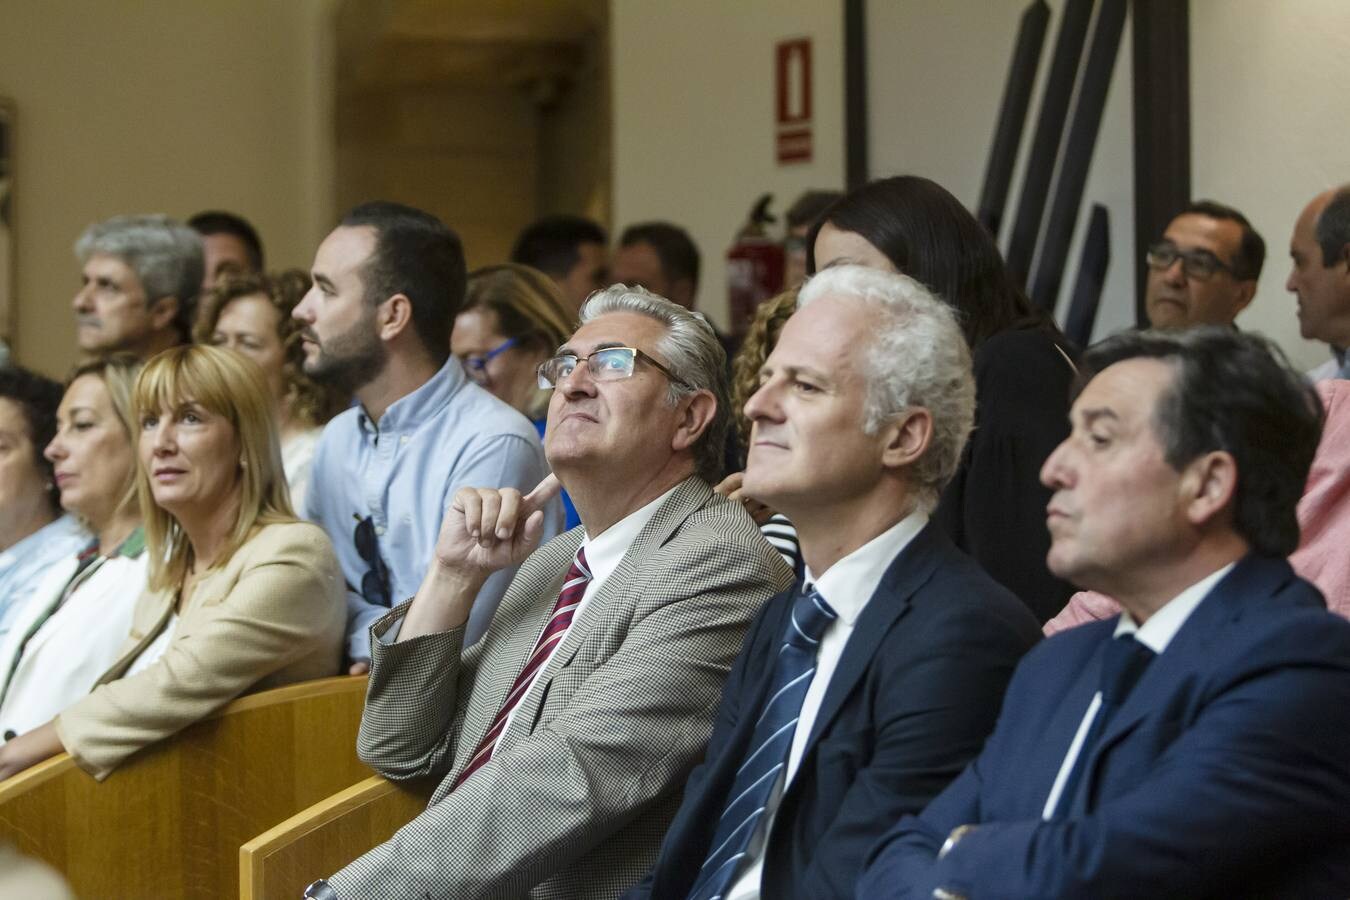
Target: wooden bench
317,842
170,821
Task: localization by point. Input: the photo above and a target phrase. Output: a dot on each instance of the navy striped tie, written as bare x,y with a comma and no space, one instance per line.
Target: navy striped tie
748,800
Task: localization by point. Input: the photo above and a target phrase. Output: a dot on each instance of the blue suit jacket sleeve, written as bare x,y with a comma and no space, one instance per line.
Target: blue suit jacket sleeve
1269,750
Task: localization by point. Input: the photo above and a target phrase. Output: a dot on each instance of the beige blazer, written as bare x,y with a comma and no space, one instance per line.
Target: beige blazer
581,789
273,614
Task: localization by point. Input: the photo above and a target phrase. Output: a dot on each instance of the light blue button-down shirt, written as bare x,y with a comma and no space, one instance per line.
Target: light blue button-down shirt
403,472
23,565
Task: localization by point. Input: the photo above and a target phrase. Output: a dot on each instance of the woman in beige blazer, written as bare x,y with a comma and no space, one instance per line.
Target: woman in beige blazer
241,594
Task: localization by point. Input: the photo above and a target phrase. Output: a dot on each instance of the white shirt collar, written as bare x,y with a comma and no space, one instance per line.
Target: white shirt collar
850,583
605,550
1163,625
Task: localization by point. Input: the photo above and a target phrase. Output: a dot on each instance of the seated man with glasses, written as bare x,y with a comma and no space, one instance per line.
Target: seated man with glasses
563,738
1204,269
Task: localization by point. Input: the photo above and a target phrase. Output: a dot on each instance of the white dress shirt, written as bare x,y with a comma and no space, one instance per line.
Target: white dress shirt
1155,634
847,586
604,552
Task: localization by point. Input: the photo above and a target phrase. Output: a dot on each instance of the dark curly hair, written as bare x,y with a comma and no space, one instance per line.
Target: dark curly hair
37,398
307,400
759,342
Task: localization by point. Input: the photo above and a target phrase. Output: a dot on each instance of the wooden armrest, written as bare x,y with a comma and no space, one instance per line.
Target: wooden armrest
314,843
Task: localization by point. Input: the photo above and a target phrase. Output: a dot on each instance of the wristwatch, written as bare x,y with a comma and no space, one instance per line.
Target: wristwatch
954,838
320,890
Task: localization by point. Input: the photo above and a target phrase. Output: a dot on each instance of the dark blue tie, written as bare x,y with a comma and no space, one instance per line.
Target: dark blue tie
1123,661
748,800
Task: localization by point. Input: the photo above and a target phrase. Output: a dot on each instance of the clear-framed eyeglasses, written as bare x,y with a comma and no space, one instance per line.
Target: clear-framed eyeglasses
607,364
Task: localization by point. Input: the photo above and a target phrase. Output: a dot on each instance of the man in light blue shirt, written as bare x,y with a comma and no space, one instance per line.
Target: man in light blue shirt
388,282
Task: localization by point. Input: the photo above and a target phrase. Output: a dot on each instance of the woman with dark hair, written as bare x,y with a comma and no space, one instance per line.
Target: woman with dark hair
34,535
994,508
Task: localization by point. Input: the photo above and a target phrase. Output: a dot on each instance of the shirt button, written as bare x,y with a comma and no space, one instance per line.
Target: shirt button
379,529
403,439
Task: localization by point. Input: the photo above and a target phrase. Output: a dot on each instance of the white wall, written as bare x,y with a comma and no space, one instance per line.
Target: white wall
160,106
1270,128
694,116
936,75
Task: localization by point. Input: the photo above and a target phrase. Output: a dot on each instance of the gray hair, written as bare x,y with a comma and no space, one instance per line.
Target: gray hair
917,357
691,350
165,254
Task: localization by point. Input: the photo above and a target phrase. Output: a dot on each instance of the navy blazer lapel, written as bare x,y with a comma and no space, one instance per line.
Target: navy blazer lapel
909,571
1251,582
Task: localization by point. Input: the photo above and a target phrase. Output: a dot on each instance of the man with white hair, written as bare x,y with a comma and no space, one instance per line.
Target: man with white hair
140,277
564,736
861,692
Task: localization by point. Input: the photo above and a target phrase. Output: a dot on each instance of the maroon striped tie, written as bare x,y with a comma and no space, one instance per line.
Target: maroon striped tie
578,576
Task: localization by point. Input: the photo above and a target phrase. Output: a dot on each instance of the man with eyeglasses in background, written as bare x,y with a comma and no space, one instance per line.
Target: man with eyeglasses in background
1204,269
388,282
562,739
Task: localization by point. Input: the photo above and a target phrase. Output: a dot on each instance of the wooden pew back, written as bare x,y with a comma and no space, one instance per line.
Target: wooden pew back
170,821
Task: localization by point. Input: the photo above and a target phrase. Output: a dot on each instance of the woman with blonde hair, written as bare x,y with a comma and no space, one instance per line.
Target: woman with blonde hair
66,631
513,319
241,594
251,314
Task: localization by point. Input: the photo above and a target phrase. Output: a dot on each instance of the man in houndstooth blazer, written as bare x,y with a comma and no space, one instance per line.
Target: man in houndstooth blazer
579,788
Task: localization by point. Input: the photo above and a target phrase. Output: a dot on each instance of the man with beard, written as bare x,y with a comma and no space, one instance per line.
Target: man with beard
388,282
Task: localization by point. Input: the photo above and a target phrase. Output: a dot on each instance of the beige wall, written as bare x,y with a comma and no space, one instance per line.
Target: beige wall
468,155
694,116
1270,128
936,74
160,106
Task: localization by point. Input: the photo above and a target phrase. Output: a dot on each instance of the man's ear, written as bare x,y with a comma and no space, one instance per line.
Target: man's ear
163,311
906,437
393,317
700,408
1208,486
1246,291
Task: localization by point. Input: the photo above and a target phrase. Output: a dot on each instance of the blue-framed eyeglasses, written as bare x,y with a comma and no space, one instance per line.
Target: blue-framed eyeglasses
608,364
475,366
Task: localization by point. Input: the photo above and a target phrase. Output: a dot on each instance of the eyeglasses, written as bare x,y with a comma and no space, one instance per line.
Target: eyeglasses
1199,265
609,364
375,583
476,366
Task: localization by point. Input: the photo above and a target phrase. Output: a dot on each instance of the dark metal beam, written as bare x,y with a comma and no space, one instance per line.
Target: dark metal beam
1045,142
1162,125
1077,157
855,93
1012,115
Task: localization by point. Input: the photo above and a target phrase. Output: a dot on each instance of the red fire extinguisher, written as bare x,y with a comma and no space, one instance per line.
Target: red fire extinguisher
754,267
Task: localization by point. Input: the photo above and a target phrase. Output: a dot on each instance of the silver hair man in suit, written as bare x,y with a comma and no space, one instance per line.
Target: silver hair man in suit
563,737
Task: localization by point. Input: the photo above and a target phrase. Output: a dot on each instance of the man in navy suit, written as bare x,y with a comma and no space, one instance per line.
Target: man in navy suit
861,693
1198,744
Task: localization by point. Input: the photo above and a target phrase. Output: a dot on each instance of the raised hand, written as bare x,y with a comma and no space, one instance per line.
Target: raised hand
486,529
483,531
732,488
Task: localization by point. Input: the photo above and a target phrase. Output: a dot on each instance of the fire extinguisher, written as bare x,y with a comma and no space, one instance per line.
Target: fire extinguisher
754,267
